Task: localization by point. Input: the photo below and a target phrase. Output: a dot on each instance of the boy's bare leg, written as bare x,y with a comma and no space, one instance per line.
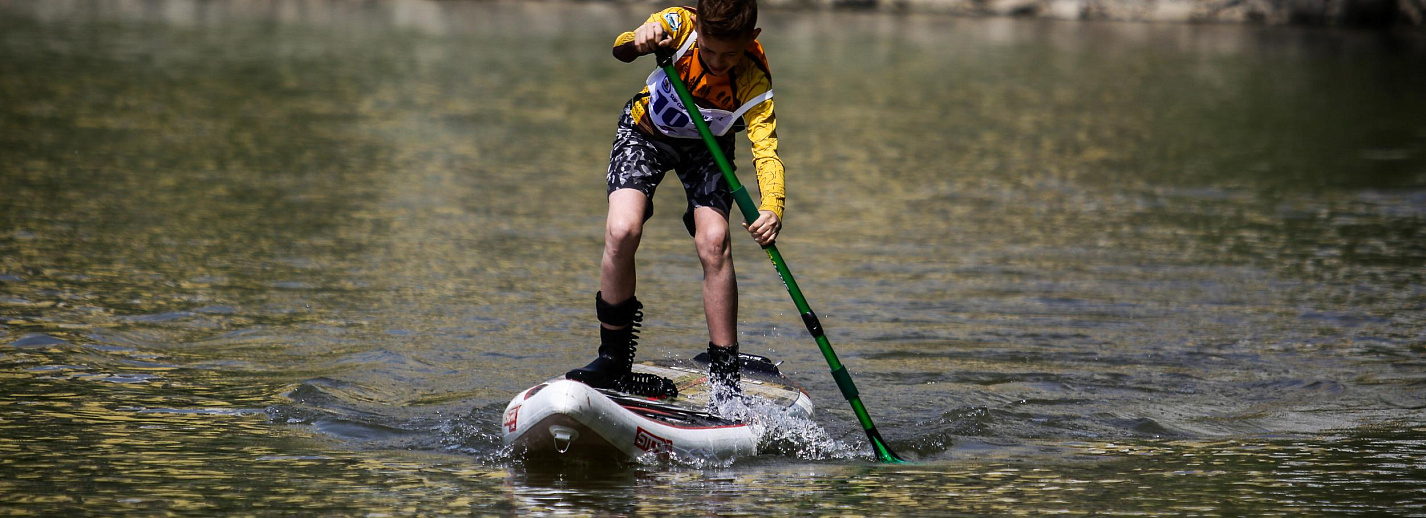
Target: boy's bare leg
618,311
720,283
622,231
720,304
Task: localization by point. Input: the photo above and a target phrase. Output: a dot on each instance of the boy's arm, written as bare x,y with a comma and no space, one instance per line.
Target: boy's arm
666,28
762,132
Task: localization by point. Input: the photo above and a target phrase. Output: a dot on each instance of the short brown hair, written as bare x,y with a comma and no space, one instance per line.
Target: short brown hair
727,18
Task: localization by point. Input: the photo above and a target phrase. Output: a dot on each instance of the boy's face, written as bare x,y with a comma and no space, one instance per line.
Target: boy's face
720,55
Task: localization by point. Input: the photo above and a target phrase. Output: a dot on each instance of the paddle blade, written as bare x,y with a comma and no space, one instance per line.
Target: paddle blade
883,452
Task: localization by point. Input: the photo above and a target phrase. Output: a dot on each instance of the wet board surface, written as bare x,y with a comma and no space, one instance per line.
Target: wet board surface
761,381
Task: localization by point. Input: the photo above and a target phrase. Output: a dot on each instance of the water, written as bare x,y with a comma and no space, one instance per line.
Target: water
295,256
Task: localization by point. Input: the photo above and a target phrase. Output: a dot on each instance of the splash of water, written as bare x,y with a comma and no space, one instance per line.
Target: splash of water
797,436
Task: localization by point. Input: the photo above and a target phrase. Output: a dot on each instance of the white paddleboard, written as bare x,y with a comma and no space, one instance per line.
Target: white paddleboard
565,418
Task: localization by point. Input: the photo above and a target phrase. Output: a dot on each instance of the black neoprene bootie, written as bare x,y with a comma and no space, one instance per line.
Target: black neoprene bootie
612,369
616,346
725,380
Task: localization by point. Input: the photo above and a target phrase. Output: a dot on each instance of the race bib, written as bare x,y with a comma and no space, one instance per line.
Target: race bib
667,113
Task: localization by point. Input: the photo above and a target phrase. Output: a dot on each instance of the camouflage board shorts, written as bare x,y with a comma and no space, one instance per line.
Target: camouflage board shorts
639,161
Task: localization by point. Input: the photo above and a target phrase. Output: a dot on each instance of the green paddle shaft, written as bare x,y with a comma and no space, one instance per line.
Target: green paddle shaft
750,214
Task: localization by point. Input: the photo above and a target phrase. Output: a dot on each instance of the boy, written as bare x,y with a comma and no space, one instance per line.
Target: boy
718,57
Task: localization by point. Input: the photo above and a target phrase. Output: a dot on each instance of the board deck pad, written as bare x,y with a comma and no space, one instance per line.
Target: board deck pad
761,381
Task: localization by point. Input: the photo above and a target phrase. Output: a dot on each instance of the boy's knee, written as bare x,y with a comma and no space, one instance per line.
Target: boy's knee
713,247
623,233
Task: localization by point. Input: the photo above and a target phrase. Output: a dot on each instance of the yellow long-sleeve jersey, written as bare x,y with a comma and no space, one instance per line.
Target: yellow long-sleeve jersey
746,87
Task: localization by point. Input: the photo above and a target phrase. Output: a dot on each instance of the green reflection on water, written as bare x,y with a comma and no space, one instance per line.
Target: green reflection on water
257,261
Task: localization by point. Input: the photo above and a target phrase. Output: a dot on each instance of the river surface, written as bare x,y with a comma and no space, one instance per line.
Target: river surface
295,256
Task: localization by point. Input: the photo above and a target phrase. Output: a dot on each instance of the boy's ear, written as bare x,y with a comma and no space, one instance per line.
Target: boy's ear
755,33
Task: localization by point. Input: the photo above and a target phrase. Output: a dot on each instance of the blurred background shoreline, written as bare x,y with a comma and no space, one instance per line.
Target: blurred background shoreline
1378,14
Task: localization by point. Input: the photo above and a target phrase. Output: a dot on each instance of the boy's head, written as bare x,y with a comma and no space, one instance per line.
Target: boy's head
725,28
727,19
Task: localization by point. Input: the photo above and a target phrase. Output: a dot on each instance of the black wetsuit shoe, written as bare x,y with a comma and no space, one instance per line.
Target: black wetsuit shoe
613,368
611,371
725,381
600,373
